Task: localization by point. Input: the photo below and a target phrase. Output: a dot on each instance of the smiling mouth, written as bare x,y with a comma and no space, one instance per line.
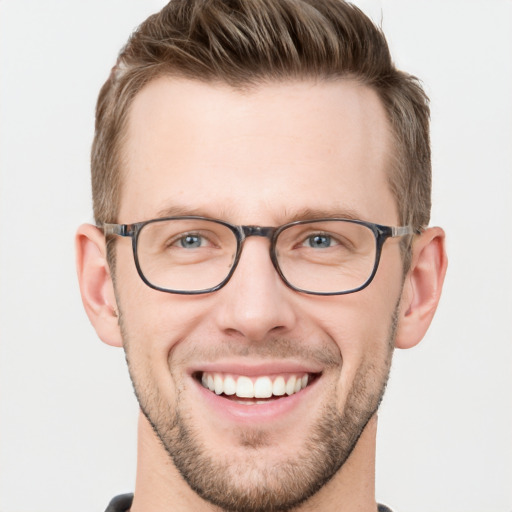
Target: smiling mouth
253,390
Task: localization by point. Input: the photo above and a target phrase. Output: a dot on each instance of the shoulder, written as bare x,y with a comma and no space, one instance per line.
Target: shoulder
122,503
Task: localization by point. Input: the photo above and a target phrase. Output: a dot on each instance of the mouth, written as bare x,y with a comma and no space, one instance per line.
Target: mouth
252,390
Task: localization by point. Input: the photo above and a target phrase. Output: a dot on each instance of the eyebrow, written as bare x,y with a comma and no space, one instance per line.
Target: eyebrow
182,211
284,217
320,213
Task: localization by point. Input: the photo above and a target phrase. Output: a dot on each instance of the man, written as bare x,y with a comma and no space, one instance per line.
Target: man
261,187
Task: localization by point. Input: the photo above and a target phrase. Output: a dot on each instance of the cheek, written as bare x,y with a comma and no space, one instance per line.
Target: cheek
155,323
361,324
153,326
362,332
149,317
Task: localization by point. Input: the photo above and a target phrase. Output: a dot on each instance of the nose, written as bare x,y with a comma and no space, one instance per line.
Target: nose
256,303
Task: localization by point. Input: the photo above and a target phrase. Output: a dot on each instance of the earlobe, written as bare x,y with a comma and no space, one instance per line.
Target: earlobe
96,286
422,287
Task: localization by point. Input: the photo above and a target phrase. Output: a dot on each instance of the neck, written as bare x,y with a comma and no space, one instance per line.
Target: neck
158,482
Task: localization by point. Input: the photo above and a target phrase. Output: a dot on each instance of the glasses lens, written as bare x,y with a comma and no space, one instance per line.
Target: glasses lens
186,255
328,256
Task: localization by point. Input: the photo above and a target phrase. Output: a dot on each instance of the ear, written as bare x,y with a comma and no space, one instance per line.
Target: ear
96,286
422,287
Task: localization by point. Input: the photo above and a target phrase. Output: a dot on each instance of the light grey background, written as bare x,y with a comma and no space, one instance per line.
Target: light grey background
67,414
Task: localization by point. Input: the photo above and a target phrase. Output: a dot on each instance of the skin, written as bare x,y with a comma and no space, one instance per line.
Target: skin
265,156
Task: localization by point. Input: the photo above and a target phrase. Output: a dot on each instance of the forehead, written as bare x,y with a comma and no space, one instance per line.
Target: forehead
256,156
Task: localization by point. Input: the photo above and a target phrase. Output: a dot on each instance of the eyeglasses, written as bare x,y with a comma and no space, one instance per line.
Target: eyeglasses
193,255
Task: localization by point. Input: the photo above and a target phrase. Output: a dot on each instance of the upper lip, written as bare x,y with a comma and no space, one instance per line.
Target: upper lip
271,367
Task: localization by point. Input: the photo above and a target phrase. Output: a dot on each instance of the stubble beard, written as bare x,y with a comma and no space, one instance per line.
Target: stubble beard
247,485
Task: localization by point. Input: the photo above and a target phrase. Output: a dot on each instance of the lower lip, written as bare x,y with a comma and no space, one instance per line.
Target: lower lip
256,412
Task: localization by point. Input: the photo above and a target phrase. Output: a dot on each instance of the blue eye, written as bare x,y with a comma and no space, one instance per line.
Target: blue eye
191,241
319,241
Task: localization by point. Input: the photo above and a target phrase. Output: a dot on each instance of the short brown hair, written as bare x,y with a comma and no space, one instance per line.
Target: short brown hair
244,43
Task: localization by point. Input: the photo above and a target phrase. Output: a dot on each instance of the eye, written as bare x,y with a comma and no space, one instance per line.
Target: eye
191,241
319,241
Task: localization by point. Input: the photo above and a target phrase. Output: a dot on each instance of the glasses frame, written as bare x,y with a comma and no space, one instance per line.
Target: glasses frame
380,232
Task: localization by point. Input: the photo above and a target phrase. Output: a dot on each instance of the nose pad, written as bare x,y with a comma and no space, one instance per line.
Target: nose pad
256,302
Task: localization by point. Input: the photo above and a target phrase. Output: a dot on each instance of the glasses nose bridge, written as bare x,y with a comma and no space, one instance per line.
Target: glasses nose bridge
262,231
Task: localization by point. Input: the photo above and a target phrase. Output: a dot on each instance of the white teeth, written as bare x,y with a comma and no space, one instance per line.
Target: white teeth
290,386
261,387
219,384
244,388
229,386
279,387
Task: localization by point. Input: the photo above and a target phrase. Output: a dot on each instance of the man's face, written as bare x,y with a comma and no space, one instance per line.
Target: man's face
280,152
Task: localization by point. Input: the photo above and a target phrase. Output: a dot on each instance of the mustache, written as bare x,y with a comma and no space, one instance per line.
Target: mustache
327,354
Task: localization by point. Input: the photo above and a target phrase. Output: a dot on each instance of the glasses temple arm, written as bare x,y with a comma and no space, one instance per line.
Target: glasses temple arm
404,230
114,229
